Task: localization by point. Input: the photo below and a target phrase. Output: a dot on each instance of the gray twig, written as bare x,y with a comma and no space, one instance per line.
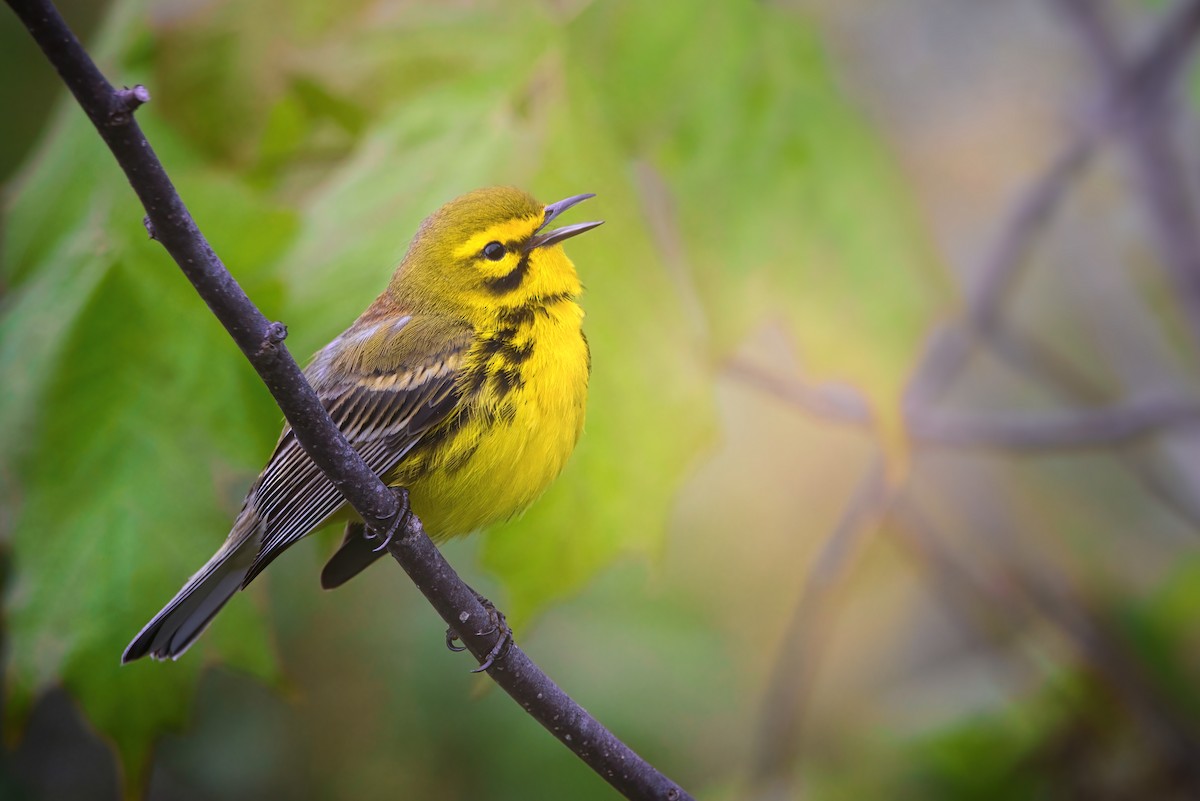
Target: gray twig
1037,592
1151,470
169,222
796,664
1084,428
948,350
1145,131
1128,91
837,403
951,345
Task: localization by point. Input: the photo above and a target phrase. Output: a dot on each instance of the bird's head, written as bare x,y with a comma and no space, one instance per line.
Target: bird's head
489,248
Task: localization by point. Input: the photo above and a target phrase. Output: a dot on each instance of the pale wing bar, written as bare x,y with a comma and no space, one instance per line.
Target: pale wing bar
293,497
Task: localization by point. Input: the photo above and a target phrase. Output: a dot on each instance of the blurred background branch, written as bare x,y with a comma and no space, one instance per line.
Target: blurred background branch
791,683
1137,112
1097,427
891,475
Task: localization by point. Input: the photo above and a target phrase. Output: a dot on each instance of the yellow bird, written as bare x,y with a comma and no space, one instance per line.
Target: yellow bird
464,382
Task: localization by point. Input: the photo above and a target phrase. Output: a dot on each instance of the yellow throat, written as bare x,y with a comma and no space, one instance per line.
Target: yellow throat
485,263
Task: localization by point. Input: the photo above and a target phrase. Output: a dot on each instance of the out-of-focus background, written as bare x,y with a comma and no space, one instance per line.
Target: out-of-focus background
890,485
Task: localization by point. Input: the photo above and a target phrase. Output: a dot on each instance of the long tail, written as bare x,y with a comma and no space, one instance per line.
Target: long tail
176,627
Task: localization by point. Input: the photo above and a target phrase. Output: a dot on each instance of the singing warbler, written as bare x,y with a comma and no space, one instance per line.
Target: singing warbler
464,382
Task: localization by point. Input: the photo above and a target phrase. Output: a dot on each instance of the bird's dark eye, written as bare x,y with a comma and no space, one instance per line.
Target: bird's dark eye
493,251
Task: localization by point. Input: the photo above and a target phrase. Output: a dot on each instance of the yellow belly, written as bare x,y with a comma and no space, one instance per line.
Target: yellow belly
517,434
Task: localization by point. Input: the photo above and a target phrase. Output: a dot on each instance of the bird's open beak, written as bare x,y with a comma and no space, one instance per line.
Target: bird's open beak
559,234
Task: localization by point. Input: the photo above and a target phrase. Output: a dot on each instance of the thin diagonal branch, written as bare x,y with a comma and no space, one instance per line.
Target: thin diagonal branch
948,351
1053,373
1123,99
795,666
1151,74
1036,590
1146,133
1123,426
1101,427
836,403
661,217
1085,428
950,346
1145,85
111,111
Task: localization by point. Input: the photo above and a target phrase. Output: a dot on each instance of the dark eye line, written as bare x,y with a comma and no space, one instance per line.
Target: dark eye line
510,246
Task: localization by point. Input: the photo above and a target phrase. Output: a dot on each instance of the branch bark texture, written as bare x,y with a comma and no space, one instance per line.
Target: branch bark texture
167,219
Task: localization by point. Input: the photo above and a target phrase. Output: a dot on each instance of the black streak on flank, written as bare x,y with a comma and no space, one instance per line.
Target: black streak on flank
475,380
510,281
506,379
461,459
439,434
501,344
503,373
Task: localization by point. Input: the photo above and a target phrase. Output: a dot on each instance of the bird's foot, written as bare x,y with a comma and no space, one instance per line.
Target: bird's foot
403,511
498,623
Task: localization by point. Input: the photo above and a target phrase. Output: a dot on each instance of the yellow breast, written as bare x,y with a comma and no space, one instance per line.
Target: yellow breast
524,388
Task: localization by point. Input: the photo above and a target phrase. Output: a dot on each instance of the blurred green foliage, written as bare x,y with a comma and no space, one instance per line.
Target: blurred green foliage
1069,739
309,140
743,193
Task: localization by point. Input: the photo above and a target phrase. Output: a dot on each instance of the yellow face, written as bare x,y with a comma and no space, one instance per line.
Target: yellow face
499,255
491,248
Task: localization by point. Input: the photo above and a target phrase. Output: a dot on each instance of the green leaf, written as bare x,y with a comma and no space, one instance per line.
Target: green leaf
788,207
136,424
785,207
737,185
614,497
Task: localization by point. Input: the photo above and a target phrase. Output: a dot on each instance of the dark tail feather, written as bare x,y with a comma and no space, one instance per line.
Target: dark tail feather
176,627
355,554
